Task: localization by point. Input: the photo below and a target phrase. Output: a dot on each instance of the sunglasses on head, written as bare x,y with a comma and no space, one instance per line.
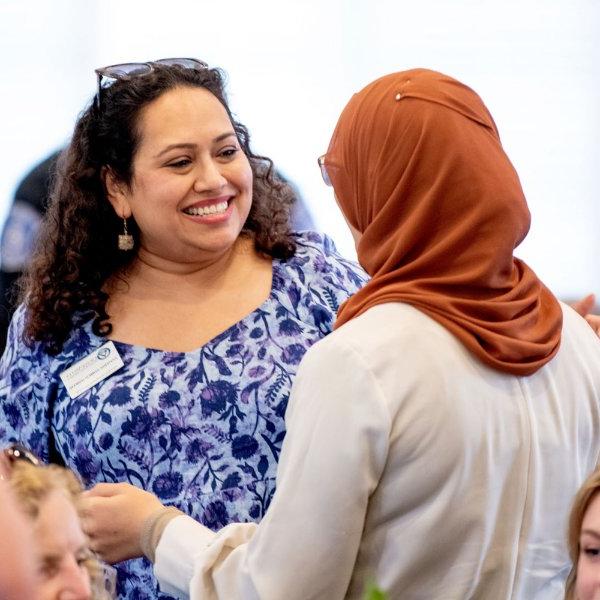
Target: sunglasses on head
126,71
17,452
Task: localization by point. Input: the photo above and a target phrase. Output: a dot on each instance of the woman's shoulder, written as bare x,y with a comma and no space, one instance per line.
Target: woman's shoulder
19,347
15,338
315,281
320,262
314,243
22,359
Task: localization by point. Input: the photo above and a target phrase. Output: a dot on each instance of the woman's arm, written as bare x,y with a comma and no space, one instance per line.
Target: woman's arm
24,389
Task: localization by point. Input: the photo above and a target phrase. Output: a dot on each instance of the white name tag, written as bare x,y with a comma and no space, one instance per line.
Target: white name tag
95,367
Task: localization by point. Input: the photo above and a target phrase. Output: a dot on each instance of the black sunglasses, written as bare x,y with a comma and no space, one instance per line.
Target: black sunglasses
18,452
126,71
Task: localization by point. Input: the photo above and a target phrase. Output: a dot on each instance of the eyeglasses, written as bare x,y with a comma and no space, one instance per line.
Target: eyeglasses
18,452
126,71
323,167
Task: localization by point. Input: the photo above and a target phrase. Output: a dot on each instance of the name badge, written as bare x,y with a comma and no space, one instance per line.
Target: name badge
95,367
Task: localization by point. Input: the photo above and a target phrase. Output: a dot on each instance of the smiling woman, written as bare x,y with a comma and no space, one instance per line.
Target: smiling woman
190,195
192,188
167,243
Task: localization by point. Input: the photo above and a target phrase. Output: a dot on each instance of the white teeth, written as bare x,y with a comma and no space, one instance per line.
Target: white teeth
213,209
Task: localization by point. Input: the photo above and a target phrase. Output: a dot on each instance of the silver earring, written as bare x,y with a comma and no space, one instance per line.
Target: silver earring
125,238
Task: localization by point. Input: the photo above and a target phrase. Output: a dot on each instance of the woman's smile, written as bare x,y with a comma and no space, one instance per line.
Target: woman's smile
212,210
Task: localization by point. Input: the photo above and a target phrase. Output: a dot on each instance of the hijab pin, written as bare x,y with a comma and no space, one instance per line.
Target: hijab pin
398,96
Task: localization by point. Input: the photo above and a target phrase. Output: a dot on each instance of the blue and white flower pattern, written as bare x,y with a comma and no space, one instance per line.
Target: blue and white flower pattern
202,429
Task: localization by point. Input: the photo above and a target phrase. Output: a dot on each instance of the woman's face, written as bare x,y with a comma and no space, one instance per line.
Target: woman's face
191,190
62,551
587,586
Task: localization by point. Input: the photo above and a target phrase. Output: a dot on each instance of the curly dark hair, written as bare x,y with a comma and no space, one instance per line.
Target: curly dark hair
77,250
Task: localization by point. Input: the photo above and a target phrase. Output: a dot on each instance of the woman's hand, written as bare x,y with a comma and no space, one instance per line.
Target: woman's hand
112,516
583,307
594,321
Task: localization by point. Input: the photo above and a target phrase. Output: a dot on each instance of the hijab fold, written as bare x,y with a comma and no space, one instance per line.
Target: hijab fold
418,169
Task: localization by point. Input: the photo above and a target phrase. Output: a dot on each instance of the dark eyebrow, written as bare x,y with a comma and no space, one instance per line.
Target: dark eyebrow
188,146
224,136
173,146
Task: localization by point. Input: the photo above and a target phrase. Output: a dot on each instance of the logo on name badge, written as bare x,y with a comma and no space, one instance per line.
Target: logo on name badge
103,353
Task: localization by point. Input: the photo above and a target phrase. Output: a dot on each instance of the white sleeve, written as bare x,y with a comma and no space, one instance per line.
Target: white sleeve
331,461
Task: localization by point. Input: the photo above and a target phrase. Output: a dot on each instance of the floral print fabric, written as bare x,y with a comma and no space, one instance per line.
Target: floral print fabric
202,429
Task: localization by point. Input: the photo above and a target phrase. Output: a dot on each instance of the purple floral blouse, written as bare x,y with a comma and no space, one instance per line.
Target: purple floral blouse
202,429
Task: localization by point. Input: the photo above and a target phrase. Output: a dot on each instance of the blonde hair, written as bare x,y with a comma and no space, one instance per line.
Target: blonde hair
32,484
587,492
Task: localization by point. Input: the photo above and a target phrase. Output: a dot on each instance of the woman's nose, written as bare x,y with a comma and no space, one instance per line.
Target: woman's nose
209,177
76,583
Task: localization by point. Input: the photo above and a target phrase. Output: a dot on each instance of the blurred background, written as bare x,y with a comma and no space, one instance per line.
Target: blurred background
292,65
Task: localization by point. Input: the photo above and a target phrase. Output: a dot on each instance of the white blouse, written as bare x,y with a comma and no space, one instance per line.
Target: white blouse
411,464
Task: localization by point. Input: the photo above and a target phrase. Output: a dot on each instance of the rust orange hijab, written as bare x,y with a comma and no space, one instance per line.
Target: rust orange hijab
418,168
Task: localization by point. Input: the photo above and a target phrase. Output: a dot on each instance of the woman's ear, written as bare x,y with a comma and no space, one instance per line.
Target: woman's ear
117,193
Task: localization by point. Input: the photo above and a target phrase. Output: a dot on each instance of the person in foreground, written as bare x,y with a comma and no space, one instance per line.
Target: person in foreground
436,436
169,304
48,497
17,575
583,582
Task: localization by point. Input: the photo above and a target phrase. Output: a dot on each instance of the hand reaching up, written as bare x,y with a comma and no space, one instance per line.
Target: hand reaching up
584,307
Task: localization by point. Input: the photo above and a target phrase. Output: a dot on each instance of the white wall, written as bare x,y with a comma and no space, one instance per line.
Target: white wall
293,64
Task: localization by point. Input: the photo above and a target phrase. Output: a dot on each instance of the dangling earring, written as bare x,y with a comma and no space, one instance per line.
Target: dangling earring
125,238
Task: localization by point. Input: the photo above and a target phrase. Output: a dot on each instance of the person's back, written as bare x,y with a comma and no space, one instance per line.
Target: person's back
481,465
